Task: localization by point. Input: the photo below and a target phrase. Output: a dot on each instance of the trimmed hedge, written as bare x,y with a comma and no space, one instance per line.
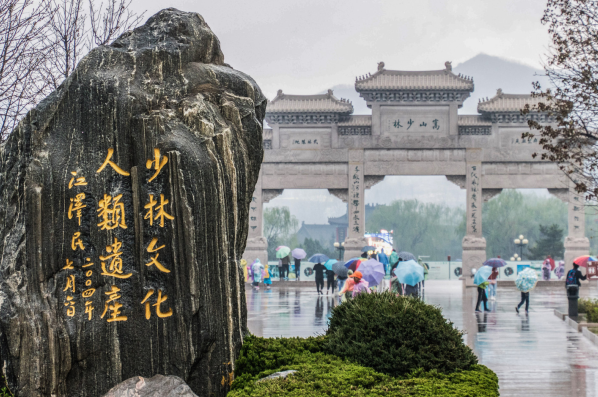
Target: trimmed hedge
396,335
590,308
321,374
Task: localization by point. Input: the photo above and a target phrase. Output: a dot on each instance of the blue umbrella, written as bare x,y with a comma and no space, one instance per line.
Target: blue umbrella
495,262
372,271
482,275
410,273
318,258
329,263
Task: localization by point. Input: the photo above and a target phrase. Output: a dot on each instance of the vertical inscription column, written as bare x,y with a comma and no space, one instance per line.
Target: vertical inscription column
356,205
474,244
257,245
576,243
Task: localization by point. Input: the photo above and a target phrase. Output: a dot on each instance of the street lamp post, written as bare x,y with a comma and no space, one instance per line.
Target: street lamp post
520,242
340,247
515,258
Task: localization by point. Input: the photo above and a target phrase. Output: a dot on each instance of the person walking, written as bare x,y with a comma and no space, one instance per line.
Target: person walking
280,270
492,281
256,270
482,297
341,282
331,281
559,271
319,269
267,278
297,269
411,290
285,267
524,299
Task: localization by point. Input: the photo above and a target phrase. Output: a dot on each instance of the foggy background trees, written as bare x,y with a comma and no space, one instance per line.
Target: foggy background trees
41,43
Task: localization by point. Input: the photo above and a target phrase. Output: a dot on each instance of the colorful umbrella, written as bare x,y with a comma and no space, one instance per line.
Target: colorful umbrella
354,263
298,253
495,262
318,258
368,248
482,274
340,270
282,252
405,256
549,261
329,263
373,272
410,273
526,280
583,260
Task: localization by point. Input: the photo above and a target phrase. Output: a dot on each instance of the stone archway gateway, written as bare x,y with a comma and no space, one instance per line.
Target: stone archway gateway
414,129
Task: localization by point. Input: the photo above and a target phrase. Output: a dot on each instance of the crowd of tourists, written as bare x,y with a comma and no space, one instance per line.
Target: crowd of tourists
398,272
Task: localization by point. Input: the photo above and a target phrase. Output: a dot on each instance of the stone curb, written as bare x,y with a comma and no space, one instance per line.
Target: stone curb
590,335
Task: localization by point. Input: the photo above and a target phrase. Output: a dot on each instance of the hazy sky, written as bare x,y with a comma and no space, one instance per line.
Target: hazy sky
309,45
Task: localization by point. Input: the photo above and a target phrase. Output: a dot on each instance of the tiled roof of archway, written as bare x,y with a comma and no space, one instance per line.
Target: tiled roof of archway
419,80
507,102
325,103
473,120
357,121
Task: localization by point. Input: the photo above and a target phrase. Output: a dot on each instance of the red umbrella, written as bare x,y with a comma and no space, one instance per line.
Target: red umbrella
354,264
583,260
550,261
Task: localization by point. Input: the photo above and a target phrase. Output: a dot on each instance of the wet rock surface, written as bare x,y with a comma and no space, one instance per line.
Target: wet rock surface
124,200
157,386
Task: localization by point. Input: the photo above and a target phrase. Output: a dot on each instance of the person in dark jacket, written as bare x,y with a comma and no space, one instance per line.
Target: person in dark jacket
297,268
319,269
573,276
285,268
331,281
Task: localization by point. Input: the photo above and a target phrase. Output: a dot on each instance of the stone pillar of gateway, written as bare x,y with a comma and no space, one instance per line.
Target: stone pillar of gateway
315,142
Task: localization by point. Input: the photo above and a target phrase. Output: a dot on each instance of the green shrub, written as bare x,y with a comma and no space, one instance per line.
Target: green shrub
590,308
396,335
4,392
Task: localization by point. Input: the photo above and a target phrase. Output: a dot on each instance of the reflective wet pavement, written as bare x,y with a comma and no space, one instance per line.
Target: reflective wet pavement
533,355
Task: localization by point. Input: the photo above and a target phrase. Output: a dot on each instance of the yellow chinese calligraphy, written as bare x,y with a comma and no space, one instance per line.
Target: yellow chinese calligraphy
154,261
69,265
111,217
70,283
89,309
77,242
109,161
77,205
76,182
158,162
161,213
70,311
116,262
114,308
160,300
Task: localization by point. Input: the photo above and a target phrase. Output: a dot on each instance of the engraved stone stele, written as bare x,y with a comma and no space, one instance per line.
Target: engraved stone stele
124,200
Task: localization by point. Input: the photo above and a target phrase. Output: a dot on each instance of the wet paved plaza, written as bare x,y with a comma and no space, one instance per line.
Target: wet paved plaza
533,355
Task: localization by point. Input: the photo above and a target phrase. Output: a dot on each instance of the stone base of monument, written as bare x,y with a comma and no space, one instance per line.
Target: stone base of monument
157,386
353,247
474,255
256,247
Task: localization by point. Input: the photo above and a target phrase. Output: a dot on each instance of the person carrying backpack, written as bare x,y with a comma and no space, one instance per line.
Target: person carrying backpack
573,278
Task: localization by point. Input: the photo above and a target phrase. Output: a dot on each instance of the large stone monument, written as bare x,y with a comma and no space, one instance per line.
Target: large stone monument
124,200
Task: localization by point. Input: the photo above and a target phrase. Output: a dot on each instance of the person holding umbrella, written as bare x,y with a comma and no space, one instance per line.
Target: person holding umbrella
525,282
494,263
411,274
480,279
360,285
282,253
298,254
330,275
